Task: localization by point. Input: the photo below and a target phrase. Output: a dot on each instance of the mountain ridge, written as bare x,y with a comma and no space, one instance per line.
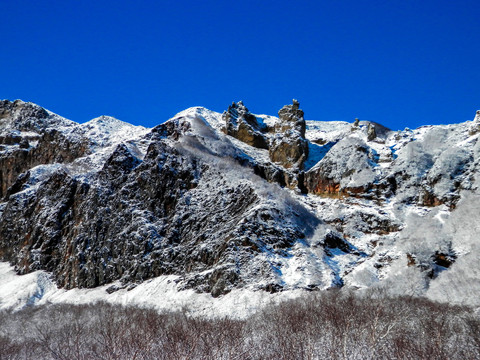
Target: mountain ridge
239,201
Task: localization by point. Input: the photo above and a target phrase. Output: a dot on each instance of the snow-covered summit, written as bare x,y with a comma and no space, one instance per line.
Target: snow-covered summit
106,130
214,119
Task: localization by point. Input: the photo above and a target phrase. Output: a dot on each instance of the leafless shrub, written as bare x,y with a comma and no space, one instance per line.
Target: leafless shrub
332,324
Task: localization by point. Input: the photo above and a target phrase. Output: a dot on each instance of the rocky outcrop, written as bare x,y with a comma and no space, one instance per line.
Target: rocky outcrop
285,141
347,169
289,146
244,126
371,133
30,136
291,119
356,124
434,264
475,126
26,116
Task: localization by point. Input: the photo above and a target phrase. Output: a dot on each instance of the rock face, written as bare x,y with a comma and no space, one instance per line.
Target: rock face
371,133
167,211
208,198
284,140
475,127
30,137
243,125
289,146
348,168
22,113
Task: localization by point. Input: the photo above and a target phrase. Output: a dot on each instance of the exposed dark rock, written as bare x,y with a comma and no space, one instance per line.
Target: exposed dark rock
291,118
411,260
289,146
355,125
22,113
244,126
120,163
444,259
435,264
52,146
429,199
333,241
171,129
289,151
367,223
272,288
371,133
21,180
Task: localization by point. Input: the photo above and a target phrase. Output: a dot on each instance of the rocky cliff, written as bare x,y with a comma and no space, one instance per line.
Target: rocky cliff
237,200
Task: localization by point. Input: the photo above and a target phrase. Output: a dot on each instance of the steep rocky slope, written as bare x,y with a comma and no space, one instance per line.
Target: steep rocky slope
240,201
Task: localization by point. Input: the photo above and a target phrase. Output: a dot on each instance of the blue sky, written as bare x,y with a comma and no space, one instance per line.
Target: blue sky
400,63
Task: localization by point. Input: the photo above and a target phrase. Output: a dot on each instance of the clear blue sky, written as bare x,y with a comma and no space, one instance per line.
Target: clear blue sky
401,63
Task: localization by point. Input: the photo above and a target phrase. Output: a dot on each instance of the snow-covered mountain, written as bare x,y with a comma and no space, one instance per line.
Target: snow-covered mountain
224,203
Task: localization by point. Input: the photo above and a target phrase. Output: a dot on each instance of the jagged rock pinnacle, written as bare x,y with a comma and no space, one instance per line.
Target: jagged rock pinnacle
243,125
289,147
371,133
475,127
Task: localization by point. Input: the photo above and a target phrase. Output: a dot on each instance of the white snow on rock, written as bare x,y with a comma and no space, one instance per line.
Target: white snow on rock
106,131
36,288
